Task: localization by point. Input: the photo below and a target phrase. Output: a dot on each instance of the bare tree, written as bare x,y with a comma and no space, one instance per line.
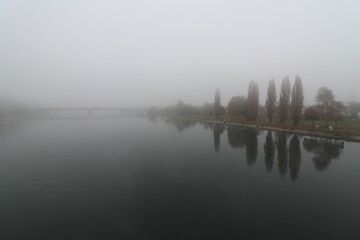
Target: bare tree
252,101
312,114
326,104
270,103
237,106
284,99
297,100
339,106
355,109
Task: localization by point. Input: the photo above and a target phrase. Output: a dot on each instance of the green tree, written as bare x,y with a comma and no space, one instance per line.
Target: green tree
252,101
297,100
217,105
284,99
270,103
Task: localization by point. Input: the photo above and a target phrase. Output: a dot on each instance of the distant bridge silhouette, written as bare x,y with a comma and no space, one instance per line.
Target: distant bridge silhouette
89,110
85,108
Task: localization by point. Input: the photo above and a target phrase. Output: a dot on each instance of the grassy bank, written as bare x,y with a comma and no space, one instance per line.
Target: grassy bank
348,129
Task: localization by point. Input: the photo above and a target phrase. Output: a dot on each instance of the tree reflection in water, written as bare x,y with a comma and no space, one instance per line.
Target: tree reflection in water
236,137
251,144
269,150
180,123
282,155
288,157
324,151
218,129
239,137
294,157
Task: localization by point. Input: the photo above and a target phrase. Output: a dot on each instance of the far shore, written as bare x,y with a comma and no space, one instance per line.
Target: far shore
293,129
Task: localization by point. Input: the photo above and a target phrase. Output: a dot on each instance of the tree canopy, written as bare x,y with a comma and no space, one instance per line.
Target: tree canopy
270,103
252,101
217,104
297,100
284,99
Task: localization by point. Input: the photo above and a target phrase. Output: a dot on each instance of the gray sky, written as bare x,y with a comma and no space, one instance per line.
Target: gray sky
141,52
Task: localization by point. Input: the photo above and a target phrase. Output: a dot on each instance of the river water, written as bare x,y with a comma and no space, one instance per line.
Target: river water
160,178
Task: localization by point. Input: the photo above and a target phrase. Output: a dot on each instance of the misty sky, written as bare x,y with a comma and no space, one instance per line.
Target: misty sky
142,52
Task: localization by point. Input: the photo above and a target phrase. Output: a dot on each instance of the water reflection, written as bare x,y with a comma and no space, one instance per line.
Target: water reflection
244,137
251,143
207,125
269,151
236,137
217,131
284,146
294,157
324,151
282,155
180,123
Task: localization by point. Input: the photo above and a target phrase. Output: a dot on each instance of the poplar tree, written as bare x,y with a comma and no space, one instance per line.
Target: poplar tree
217,105
252,101
284,99
297,100
270,103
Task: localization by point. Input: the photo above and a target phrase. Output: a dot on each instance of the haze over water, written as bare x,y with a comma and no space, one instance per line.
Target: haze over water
140,178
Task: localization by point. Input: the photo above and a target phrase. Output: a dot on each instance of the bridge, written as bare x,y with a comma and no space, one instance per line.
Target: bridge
88,110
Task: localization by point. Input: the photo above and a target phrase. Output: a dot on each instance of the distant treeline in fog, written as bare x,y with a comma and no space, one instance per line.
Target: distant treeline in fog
288,104
11,108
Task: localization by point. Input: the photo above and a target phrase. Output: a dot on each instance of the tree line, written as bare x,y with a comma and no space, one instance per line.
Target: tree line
289,104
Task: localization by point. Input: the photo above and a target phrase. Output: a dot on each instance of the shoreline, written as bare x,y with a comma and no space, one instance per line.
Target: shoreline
351,138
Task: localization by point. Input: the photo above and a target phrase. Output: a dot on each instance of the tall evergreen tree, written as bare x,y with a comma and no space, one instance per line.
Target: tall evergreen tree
297,100
284,99
270,103
252,101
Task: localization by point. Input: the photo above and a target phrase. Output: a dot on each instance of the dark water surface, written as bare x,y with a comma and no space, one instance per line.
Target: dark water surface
135,178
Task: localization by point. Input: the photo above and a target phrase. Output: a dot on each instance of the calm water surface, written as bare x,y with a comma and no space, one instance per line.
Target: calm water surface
140,178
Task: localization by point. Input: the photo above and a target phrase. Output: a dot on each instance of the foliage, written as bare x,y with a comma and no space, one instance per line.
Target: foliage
237,106
270,103
297,100
182,109
312,114
252,101
217,104
355,109
207,109
284,99
328,108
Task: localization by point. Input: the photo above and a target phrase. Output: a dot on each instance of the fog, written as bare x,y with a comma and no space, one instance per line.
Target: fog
135,53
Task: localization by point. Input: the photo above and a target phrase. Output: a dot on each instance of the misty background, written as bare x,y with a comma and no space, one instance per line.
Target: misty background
135,53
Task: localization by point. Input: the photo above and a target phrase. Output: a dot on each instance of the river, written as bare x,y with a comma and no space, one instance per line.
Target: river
159,178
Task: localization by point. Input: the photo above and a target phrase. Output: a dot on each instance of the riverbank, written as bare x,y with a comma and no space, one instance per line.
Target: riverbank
289,129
